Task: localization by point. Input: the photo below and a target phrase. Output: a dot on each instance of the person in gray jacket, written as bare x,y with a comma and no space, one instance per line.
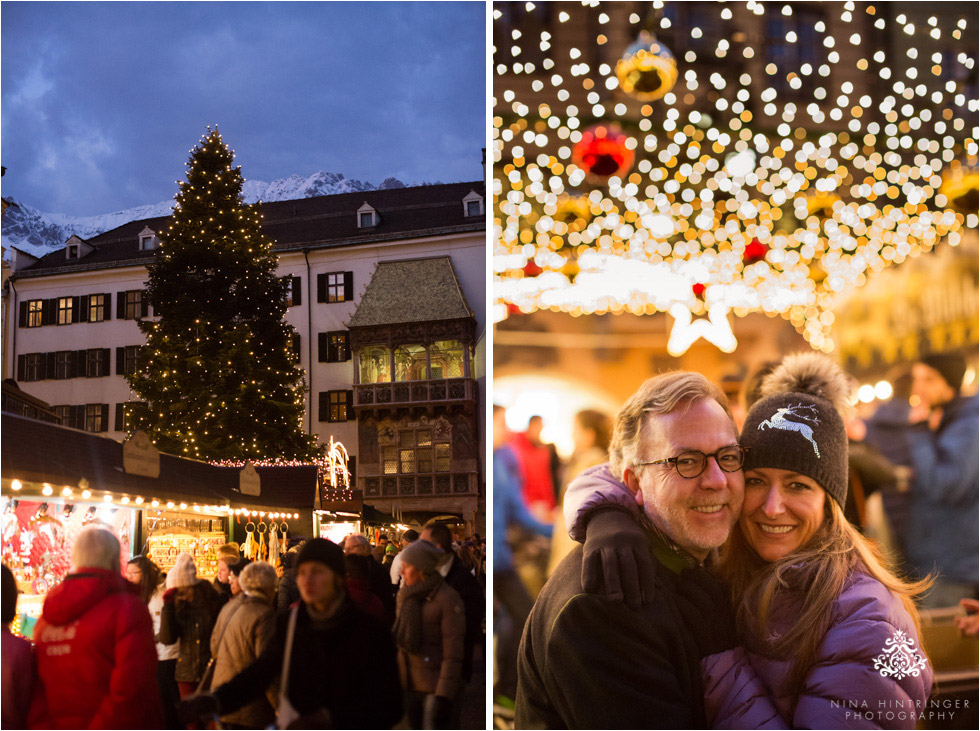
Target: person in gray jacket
243,629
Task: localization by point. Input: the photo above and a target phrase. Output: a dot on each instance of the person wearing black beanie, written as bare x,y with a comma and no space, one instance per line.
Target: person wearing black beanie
943,452
336,664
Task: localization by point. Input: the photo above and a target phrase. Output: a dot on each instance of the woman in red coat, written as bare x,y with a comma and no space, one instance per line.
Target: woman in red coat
96,656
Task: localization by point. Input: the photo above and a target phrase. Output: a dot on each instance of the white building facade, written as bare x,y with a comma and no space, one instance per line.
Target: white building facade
72,332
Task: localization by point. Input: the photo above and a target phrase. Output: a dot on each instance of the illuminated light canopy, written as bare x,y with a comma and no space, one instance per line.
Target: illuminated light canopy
780,192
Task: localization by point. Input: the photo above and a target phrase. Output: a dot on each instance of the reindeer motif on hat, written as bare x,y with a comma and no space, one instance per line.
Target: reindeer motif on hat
800,411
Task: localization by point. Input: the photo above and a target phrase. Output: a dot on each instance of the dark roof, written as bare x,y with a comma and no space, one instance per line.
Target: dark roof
321,222
38,451
411,290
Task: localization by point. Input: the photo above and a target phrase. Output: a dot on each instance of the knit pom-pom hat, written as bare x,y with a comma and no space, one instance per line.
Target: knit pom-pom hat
797,424
183,573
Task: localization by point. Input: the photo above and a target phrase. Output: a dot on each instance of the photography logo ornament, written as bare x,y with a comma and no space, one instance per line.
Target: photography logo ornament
899,658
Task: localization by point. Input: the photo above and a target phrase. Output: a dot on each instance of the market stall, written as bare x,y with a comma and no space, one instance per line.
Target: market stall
58,481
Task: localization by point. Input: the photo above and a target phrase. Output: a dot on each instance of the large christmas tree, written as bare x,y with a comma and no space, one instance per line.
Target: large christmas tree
217,378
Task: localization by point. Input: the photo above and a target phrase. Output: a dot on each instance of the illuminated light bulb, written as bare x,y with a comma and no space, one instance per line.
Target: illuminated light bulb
16,485
47,490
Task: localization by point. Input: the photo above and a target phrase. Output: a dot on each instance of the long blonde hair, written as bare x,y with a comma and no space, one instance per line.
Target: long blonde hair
818,573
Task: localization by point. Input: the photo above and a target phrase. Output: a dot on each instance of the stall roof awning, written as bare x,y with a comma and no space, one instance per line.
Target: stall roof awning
412,290
39,452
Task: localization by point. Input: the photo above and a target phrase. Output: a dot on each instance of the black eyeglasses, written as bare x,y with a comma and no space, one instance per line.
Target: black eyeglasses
692,463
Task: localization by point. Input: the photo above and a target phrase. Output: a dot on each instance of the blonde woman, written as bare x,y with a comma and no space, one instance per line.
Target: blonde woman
828,636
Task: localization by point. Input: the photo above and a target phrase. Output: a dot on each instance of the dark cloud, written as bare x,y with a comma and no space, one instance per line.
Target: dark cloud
101,102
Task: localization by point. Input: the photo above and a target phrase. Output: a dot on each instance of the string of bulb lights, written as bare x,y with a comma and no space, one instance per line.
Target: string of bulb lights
681,187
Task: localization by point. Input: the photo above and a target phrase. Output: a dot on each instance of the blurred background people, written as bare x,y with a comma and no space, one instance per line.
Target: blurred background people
19,671
430,632
408,537
510,594
459,577
359,545
149,580
228,553
538,463
591,432
190,607
357,581
287,592
241,633
943,447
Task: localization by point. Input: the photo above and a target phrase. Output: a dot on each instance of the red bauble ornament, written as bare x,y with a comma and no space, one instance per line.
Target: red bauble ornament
531,269
602,153
698,290
754,251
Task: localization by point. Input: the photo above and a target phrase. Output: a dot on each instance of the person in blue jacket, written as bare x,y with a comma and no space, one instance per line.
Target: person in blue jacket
508,509
942,439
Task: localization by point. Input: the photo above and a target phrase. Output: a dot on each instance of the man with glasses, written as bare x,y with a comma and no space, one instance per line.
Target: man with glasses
587,661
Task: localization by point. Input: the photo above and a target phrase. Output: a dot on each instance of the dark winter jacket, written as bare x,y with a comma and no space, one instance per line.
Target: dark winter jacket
346,665
288,591
96,659
870,671
942,531
474,605
224,591
191,623
587,662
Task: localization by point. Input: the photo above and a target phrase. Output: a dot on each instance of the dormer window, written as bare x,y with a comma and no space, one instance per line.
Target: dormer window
367,217
473,204
148,239
76,248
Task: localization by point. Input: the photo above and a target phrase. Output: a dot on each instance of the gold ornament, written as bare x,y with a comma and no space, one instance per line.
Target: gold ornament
647,70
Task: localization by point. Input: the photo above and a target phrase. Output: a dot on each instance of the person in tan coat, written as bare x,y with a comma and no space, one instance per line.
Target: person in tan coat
243,629
429,630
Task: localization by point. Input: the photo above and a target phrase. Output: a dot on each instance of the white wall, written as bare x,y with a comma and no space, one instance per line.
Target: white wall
467,252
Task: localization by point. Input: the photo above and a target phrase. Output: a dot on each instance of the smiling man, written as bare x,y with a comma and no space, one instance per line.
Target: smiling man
590,662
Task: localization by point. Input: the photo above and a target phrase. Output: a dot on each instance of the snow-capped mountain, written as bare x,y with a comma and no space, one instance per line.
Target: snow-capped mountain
39,233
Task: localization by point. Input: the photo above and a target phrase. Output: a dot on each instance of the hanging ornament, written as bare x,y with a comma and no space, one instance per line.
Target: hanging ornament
755,251
602,153
960,186
647,69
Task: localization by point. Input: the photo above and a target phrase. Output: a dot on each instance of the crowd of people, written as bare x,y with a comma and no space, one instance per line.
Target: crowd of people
331,637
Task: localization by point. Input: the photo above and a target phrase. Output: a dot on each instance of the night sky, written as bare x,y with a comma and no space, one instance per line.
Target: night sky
101,102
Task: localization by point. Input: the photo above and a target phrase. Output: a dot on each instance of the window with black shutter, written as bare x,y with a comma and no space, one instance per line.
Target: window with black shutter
96,417
98,307
335,287
65,310
96,362
336,406
126,359
124,416
296,345
33,367
63,364
294,291
334,347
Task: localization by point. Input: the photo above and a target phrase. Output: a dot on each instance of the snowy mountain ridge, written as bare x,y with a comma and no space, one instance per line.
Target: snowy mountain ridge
38,233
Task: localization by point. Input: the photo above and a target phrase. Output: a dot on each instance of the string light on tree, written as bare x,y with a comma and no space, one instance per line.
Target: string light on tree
218,378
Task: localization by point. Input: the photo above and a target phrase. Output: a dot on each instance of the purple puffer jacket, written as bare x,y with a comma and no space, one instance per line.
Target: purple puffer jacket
869,672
